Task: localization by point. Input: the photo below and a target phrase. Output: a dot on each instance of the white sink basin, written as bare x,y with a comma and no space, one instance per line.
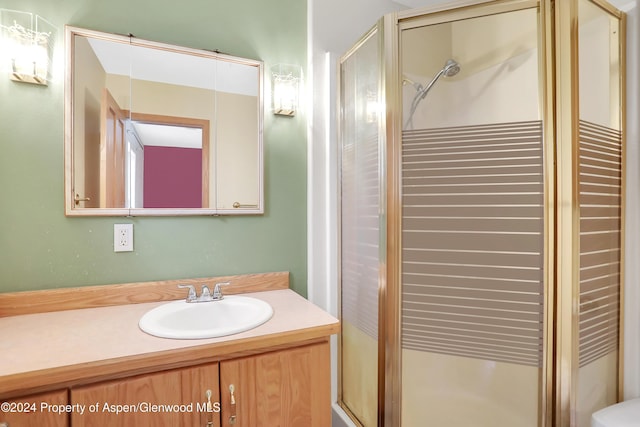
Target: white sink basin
183,320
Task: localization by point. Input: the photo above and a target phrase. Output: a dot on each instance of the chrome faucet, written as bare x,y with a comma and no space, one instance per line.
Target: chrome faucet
191,296
205,293
217,292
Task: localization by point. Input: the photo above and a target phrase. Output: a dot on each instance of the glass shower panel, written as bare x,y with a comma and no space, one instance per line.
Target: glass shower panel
361,259
600,195
472,222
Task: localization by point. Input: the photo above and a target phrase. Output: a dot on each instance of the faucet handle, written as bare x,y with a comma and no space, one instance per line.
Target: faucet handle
217,292
191,296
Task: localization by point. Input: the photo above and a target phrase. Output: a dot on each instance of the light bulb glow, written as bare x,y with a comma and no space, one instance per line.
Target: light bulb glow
285,80
24,52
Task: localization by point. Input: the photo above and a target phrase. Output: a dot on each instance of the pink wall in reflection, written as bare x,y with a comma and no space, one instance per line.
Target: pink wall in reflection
172,177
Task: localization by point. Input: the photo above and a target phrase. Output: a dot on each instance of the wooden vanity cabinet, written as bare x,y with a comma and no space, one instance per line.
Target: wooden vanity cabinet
279,373
173,398
288,388
35,410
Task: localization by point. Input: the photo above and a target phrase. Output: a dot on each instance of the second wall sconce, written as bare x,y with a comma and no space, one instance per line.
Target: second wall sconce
26,46
285,89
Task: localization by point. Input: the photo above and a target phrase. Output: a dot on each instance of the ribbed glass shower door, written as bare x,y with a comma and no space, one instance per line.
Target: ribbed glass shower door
473,220
361,227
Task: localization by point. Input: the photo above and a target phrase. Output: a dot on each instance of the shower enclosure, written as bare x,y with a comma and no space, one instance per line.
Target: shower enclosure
481,226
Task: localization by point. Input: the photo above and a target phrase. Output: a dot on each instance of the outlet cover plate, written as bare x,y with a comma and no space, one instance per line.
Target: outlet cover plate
123,237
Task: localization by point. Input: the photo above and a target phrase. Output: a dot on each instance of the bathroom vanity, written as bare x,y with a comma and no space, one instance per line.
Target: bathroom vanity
96,367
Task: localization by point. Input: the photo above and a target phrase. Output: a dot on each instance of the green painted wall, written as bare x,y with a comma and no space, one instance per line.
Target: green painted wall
40,248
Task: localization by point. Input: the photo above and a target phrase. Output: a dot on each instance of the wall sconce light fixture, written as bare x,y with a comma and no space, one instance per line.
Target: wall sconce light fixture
285,86
26,46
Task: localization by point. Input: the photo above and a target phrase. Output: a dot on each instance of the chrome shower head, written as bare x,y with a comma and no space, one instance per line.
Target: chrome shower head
451,68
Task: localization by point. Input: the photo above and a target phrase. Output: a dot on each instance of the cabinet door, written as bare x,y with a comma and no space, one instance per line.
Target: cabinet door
288,388
37,410
172,398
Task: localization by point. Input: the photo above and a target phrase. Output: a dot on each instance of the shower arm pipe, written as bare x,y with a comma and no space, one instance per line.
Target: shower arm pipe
425,90
422,93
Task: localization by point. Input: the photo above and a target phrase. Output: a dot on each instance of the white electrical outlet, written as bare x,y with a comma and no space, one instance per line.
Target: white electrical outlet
123,237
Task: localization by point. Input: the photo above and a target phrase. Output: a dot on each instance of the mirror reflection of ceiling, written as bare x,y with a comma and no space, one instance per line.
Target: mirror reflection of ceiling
163,66
168,135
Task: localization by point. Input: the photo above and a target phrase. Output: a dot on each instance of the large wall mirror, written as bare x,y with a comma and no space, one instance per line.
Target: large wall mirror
156,129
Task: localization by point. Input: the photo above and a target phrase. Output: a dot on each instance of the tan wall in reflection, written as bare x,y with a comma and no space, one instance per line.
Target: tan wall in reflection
86,131
237,151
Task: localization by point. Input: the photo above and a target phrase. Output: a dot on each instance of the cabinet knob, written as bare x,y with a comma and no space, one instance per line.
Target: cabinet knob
209,408
232,418
237,205
76,199
232,390
208,395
